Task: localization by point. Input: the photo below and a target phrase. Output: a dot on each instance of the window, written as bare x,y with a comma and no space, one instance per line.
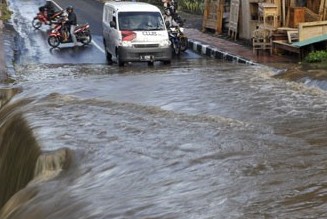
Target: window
254,11
140,21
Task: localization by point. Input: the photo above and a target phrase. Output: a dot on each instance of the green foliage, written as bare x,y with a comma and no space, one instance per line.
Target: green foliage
5,13
194,6
191,6
316,56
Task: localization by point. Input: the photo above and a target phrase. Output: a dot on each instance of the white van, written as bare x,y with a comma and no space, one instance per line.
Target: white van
135,32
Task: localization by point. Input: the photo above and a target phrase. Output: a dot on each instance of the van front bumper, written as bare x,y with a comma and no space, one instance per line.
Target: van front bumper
130,54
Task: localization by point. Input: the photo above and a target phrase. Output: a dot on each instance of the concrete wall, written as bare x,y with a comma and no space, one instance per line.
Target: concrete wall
3,68
246,24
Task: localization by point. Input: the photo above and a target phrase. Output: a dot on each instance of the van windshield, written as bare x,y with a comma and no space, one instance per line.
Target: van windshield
140,21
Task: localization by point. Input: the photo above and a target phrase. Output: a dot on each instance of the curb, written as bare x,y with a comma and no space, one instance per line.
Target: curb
213,52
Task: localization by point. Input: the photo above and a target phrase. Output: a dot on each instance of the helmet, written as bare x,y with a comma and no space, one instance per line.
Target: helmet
69,8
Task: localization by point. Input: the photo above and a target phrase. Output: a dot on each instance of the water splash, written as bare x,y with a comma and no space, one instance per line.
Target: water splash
23,165
50,164
19,151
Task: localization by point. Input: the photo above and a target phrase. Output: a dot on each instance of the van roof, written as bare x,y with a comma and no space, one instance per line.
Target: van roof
132,6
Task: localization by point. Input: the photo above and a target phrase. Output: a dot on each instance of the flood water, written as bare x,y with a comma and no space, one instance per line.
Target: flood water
199,139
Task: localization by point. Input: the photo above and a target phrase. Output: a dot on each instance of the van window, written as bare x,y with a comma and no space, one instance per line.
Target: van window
140,21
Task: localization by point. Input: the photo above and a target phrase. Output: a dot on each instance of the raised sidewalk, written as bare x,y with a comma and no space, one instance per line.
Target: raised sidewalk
217,47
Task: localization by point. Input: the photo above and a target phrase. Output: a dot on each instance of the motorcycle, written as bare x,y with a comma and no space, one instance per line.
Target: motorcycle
57,34
42,18
179,41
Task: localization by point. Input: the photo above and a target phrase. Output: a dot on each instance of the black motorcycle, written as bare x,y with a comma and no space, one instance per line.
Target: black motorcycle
179,41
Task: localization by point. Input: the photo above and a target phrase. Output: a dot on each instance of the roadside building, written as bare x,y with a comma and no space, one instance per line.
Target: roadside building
291,24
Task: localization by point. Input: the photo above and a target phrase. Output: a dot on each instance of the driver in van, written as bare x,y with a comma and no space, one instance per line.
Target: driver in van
124,24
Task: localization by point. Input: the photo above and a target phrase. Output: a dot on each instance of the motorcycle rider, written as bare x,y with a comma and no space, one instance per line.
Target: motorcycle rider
170,14
71,23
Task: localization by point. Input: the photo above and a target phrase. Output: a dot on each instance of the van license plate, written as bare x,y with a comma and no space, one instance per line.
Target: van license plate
146,58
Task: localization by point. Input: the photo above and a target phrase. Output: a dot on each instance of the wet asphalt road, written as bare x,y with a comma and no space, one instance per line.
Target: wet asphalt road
32,45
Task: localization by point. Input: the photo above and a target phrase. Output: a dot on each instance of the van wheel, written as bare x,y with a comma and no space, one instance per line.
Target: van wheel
109,58
119,61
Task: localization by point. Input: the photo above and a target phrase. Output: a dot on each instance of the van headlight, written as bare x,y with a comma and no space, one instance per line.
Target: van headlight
164,43
126,43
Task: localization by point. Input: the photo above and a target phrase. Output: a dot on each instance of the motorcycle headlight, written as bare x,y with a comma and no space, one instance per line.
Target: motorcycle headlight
164,43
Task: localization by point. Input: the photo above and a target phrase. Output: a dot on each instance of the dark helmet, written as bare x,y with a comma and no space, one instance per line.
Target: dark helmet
69,8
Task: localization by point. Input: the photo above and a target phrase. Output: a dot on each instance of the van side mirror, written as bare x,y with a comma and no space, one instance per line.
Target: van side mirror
112,24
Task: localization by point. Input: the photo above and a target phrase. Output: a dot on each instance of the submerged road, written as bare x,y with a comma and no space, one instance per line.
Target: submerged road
32,45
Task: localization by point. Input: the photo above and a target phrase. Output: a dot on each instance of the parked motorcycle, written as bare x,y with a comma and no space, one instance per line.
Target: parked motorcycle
42,18
57,34
179,41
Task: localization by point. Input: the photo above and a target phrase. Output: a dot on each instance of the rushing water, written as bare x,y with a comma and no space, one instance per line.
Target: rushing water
206,140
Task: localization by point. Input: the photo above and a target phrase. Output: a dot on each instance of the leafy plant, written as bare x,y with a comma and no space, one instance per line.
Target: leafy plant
5,13
195,6
316,56
192,6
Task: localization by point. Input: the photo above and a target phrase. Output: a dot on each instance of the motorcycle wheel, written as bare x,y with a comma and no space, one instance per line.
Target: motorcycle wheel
36,23
53,41
184,44
86,38
176,49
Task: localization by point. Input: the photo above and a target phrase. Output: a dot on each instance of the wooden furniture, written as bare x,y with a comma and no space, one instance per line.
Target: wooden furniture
268,14
262,40
292,36
309,30
309,33
233,19
296,16
213,15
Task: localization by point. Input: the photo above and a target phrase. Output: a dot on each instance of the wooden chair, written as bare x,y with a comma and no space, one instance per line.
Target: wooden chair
292,36
262,40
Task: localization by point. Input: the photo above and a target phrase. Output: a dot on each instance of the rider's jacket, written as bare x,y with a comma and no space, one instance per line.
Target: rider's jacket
72,19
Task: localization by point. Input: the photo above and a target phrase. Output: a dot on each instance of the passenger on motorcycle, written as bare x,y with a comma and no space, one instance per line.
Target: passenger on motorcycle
63,27
170,14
